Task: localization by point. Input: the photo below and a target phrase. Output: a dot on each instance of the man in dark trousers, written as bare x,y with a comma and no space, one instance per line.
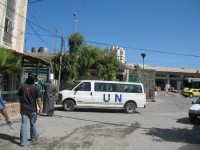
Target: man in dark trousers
29,96
48,100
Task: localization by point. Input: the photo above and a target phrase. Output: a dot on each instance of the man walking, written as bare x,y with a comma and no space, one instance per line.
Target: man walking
48,101
29,96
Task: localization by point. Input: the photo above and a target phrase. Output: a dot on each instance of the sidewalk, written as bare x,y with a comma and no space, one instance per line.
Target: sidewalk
165,93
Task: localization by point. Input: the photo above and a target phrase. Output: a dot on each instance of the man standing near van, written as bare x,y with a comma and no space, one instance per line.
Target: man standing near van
48,101
29,96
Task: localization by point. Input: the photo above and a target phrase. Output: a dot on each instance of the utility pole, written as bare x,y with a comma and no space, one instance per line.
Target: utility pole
143,56
56,32
60,61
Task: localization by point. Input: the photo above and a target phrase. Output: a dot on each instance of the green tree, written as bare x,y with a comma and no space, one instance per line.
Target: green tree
108,66
69,68
75,42
70,62
81,58
88,60
10,64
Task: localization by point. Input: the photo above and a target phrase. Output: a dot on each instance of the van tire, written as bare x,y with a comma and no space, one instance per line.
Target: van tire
130,107
68,105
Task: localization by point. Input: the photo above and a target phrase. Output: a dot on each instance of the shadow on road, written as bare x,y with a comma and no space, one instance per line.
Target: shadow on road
176,135
186,121
12,139
96,110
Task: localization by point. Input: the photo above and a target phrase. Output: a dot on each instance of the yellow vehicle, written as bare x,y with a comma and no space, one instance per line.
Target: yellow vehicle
190,92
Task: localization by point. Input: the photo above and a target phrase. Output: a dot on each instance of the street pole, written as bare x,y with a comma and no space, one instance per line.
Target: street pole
143,56
60,61
75,20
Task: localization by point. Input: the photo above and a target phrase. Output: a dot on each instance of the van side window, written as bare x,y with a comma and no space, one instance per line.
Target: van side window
114,87
137,89
84,86
98,87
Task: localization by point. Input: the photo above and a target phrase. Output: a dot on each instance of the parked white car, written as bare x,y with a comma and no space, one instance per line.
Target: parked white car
194,111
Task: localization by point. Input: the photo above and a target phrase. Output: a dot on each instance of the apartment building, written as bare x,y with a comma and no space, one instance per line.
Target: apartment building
120,52
12,24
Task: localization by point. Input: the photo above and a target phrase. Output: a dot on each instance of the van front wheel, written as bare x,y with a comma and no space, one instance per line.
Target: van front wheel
68,105
130,107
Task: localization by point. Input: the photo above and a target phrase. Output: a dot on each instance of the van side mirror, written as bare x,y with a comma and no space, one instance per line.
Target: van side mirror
192,102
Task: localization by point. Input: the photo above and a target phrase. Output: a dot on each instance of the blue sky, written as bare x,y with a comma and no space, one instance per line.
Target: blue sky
168,31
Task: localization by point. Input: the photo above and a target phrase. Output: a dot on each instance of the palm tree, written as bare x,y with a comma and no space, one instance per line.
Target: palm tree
10,67
10,64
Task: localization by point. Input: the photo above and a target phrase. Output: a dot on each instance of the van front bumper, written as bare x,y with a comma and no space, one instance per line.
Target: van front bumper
194,113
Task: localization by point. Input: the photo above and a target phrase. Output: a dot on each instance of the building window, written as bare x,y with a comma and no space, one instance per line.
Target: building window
8,27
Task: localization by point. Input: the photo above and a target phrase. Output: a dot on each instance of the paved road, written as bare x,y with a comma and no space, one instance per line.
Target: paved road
163,125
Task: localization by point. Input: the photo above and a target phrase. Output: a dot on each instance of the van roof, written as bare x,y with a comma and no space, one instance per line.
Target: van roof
103,81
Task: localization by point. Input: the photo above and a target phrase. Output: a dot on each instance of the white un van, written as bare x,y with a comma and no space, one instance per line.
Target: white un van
103,94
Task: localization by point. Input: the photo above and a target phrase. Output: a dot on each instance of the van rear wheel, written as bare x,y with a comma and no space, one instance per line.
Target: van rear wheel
130,107
68,105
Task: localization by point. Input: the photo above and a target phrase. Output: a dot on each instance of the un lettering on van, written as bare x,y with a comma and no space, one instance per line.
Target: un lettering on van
118,97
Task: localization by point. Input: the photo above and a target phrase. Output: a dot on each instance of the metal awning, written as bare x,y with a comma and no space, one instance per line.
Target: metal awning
31,61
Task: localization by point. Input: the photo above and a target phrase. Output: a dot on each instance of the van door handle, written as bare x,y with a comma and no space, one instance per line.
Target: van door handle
91,93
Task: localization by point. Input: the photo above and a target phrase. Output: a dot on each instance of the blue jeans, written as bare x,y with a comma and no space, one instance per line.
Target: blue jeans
32,117
2,105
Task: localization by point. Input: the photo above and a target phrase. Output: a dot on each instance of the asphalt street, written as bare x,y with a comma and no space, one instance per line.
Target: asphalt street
163,125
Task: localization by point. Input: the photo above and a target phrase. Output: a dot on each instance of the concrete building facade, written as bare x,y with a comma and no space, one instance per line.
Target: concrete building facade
12,24
166,77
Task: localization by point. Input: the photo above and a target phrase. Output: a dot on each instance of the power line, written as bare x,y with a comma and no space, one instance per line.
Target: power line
79,12
39,17
35,30
142,49
34,1
30,21
41,34
147,28
157,51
